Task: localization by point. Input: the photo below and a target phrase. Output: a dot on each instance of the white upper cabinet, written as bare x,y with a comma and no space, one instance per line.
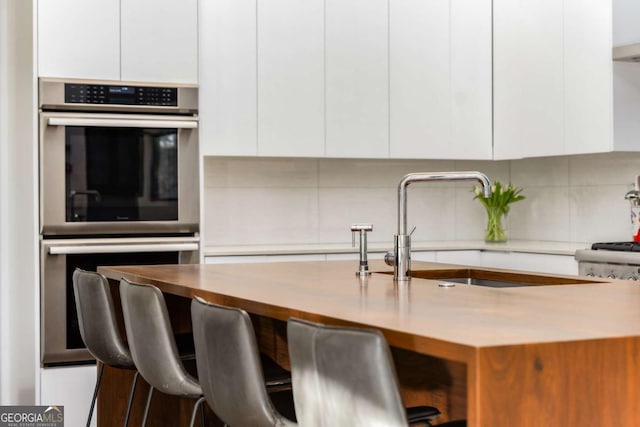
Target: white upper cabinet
228,83
556,89
291,103
134,40
587,76
626,22
528,78
346,78
79,39
159,41
357,78
440,79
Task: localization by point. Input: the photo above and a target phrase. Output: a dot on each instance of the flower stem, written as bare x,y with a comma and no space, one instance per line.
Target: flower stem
495,231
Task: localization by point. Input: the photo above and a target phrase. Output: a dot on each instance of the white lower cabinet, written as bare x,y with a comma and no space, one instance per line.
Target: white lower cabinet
429,256
539,263
354,256
71,387
472,258
240,259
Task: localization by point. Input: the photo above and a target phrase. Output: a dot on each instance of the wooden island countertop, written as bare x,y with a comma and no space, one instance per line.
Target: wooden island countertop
528,356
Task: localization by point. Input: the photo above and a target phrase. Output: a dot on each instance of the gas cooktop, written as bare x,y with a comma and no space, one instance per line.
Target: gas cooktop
617,246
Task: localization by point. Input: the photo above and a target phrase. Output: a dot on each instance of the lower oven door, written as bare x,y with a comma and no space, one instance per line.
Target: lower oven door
61,342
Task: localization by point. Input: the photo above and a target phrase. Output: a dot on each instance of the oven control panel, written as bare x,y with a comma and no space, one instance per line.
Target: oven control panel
80,93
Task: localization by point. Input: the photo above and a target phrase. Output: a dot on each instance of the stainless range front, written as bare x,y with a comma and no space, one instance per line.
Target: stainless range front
616,260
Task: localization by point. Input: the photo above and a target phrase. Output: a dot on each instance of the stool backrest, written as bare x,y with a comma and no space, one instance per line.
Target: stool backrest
229,368
152,341
343,376
97,319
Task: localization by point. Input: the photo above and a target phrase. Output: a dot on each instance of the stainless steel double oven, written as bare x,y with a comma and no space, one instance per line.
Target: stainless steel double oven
119,185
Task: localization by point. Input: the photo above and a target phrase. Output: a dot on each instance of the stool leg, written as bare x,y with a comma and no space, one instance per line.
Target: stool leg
146,408
131,394
202,415
195,410
95,392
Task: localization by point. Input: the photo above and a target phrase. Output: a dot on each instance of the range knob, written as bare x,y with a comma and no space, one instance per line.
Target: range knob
590,274
611,276
632,277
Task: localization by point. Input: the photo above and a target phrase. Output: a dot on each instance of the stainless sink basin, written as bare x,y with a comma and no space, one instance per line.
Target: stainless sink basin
486,282
495,278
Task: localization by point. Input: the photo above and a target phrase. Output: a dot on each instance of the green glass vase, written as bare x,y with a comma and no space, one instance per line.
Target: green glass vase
495,231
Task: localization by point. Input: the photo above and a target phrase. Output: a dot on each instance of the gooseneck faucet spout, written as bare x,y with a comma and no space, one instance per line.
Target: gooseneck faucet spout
402,243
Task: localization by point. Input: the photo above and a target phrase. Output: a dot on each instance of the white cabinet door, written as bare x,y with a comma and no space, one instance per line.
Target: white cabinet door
79,39
625,22
291,78
587,76
428,256
528,78
71,387
440,79
553,79
539,263
471,80
159,40
228,86
251,259
464,257
357,78
355,256
626,95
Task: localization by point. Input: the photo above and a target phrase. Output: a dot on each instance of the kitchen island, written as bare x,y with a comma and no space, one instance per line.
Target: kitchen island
561,352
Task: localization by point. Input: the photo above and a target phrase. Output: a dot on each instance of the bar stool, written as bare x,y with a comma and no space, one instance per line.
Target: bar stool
153,346
234,377
99,330
345,376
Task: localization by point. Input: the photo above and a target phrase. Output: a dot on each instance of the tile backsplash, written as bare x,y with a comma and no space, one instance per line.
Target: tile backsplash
290,201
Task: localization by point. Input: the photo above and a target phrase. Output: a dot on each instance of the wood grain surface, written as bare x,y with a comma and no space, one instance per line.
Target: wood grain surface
559,352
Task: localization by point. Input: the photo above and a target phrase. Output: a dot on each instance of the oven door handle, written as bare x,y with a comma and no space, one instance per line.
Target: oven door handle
117,122
113,249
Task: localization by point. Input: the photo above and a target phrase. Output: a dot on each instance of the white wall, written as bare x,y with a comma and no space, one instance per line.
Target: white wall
286,201
19,281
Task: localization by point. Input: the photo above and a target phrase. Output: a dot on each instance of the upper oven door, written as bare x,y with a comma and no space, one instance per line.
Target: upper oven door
118,174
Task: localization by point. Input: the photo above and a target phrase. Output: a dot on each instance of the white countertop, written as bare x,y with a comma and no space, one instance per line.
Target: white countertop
529,246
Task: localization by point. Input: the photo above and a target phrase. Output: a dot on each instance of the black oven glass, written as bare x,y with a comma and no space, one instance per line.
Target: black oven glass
121,174
91,262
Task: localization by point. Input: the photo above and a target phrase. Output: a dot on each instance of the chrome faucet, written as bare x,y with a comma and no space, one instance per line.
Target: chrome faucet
401,256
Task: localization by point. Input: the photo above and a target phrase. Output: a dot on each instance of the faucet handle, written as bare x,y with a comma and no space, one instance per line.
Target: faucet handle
362,228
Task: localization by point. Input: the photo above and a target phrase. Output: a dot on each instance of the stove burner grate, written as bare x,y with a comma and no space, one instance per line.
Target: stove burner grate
617,246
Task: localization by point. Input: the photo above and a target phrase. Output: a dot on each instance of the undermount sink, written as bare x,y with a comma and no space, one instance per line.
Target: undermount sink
486,282
495,279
